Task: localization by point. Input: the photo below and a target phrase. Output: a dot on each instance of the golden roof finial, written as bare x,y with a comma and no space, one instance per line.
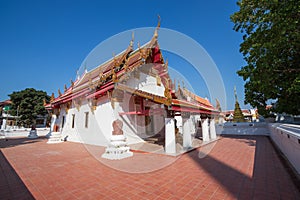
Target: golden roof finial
157,27
65,88
116,61
59,92
72,83
166,64
52,97
44,102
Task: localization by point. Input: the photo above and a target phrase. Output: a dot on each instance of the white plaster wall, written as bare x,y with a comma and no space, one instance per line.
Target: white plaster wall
289,146
146,83
243,128
100,121
99,127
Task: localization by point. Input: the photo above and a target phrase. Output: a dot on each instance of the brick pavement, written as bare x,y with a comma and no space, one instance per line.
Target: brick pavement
245,167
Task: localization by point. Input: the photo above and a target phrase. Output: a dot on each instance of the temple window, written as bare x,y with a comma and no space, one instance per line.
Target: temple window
63,121
86,120
73,120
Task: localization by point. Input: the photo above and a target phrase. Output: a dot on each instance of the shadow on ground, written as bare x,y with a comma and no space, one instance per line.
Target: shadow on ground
11,185
11,142
268,178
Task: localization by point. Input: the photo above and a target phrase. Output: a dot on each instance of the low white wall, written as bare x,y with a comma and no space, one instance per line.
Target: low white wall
287,138
244,128
24,132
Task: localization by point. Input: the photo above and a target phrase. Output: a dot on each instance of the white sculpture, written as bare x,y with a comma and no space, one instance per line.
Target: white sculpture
117,149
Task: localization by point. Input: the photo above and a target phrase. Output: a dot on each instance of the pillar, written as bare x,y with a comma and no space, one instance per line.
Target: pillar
170,141
3,124
186,128
212,128
205,130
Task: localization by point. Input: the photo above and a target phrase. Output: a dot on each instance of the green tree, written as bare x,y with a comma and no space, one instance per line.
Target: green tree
28,104
271,48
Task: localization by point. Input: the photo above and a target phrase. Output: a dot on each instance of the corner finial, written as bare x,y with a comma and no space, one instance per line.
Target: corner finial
65,88
157,27
59,92
52,97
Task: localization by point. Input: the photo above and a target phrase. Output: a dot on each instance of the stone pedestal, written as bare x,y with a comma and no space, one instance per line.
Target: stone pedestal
212,129
170,141
187,138
117,148
33,134
205,130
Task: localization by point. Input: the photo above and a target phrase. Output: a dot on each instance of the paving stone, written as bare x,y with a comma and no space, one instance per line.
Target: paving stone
235,167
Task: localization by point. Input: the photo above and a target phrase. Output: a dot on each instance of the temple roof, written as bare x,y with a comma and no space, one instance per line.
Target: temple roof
101,79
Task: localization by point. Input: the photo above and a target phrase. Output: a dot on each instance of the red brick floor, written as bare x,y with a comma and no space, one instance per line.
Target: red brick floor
231,168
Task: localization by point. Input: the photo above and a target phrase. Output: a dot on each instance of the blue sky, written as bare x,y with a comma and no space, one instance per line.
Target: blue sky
43,43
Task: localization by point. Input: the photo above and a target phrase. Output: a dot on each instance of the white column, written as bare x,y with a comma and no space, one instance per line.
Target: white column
3,124
187,140
212,128
170,141
205,130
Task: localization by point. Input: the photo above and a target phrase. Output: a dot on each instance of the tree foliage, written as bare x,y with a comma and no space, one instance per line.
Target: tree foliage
28,104
271,48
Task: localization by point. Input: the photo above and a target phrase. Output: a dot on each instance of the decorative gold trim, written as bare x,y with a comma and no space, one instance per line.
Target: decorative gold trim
77,103
68,106
167,92
158,80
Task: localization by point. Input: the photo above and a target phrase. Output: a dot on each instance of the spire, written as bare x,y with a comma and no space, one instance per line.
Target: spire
235,95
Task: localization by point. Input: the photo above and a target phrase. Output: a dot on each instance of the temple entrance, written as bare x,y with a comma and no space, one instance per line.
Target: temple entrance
149,123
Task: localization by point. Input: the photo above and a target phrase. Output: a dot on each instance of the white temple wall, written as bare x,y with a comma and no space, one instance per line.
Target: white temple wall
146,83
99,123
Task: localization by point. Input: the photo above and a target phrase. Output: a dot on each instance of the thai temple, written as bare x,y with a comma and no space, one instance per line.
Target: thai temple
131,99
